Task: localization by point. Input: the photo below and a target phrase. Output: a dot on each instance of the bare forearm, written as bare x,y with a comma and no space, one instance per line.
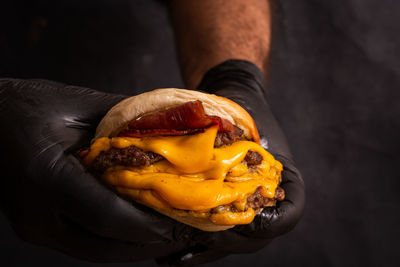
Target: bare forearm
209,32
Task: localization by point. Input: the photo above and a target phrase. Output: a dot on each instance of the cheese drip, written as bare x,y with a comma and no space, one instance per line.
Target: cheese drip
195,175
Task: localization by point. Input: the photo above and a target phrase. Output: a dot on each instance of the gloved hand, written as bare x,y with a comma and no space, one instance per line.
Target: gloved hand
244,83
49,197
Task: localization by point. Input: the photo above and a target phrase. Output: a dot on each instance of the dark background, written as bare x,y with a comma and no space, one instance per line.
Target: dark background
335,87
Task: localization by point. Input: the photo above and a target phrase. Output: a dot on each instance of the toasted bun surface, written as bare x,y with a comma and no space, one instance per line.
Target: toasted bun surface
200,223
131,108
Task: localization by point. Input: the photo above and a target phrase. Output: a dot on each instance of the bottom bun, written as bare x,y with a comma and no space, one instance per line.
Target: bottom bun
201,223
197,222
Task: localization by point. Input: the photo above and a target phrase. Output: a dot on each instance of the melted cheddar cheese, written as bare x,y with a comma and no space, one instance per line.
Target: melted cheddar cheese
195,176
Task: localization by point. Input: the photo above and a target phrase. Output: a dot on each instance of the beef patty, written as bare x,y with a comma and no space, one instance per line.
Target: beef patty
130,156
135,157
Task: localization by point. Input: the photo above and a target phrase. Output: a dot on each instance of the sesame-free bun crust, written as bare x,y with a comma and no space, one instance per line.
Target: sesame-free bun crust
201,223
136,106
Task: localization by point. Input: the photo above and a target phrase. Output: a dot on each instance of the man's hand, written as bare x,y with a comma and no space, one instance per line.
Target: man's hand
244,83
49,198
211,32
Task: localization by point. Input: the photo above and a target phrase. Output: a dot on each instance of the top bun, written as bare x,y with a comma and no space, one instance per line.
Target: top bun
136,106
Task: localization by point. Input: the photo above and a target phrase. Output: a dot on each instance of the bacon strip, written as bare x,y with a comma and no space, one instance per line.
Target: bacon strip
184,119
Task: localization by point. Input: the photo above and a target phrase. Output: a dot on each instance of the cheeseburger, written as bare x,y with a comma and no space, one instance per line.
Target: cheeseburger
192,156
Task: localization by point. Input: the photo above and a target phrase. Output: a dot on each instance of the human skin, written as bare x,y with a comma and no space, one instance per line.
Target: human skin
209,32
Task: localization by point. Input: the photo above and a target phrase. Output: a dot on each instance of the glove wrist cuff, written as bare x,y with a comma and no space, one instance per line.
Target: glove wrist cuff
231,74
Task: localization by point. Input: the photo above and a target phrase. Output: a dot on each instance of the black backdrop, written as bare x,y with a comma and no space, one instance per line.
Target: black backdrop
335,81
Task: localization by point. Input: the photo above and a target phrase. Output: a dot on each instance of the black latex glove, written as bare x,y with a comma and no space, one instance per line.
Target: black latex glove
244,83
49,197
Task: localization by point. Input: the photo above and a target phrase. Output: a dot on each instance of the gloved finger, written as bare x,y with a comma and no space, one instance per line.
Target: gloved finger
212,246
88,202
80,243
49,112
61,98
98,249
196,258
271,136
191,257
244,83
275,221
41,222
